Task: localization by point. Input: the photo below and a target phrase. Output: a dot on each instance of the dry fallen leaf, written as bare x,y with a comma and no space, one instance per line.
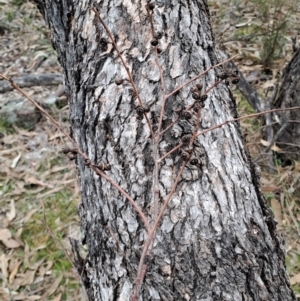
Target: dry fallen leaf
269,188
44,269
57,135
14,272
274,147
53,287
5,237
275,204
15,161
30,214
36,265
23,297
4,265
33,180
28,277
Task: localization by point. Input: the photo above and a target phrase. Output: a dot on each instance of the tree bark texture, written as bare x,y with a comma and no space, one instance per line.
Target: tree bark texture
288,96
217,239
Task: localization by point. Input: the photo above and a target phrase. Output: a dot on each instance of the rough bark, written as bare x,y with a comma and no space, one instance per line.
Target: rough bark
288,96
217,240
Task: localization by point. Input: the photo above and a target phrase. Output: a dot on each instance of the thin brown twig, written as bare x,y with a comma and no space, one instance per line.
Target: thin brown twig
157,137
171,151
142,268
82,154
146,250
128,197
245,117
168,199
126,68
188,108
162,82
39,108
178,176
226,122
169,126
199,75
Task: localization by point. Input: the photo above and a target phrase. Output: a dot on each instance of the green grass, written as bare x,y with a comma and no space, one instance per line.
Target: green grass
293,266
243,105
60,209
5,128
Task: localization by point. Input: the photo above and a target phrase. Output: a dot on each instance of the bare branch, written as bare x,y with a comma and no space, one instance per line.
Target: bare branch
162,82
245,117
82,154
171,151
169,126
198,76
147,247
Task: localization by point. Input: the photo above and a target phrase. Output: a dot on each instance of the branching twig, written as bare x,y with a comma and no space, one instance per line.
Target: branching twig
169,126
243,117
146,250
188,108
226,122
82,154
171,151
162,82
198,76
142,268
157,137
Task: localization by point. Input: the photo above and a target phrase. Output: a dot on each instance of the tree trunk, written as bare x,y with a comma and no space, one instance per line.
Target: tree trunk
288,96
217,239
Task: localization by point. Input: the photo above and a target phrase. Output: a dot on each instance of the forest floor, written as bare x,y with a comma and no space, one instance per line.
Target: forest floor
38,184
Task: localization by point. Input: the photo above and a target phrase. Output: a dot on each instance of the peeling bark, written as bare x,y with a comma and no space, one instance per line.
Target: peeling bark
217,239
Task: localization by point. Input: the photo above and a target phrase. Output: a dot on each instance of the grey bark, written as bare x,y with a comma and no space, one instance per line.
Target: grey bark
288,96
217,240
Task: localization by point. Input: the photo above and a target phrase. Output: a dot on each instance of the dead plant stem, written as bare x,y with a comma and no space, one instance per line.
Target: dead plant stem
226,122
82,154
244,117
157,137
198,76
